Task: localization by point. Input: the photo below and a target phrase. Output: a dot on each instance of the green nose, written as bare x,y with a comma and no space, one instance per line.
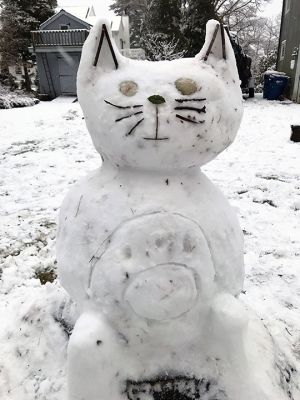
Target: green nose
156,99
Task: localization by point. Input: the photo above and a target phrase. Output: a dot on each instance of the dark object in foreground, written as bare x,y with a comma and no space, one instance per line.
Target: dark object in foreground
295,136
179,388
244,64
46,275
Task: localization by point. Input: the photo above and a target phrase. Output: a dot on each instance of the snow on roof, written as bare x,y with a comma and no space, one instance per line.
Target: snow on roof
276,73
90,14
82,12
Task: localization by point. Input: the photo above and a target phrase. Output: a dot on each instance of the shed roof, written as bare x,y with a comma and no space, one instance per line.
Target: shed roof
82,12
87,15
60,12
91,13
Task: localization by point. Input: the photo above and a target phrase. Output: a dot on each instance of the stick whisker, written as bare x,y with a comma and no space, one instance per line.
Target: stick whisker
189,120
123,107
199,110
135,126
185,100
129,116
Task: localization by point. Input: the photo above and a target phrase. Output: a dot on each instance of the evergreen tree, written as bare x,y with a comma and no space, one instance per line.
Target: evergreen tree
160,34
182,21
196,13
164,16
17,19
136,10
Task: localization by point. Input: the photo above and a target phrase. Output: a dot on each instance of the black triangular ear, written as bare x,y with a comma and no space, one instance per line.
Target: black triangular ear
99,52
105,41
217,44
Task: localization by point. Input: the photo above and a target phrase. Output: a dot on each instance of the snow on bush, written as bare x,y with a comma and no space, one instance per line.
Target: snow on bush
16,99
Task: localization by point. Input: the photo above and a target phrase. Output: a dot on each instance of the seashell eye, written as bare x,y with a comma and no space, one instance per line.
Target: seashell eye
186,86
128,88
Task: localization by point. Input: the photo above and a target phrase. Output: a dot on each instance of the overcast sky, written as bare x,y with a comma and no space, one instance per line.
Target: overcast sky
102,5
273,9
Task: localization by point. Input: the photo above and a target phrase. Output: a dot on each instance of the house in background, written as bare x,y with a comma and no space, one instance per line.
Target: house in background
17,70
58,45
288,59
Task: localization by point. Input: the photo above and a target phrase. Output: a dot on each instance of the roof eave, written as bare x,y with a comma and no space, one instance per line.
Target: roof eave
63,12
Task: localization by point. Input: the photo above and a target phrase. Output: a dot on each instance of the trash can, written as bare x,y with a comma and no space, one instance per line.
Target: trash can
274,84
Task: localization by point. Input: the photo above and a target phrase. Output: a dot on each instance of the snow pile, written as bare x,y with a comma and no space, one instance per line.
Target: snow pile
37,160
34,341
15,99
149,248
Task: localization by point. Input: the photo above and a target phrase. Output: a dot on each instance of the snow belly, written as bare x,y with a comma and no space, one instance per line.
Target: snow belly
158,273
128,225
163,292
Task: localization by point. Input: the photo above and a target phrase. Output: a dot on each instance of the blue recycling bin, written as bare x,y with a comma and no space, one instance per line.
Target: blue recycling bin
274,85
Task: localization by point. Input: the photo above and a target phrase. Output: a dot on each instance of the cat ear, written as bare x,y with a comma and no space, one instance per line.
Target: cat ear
217,46
99,52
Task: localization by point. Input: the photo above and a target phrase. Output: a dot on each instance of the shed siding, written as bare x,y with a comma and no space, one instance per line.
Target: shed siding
58,55
290,32
43,85
53,62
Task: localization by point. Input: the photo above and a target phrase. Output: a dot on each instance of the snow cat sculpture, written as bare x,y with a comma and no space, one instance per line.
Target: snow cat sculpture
148,247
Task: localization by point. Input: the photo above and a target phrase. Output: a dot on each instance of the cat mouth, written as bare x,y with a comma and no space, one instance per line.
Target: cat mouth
174,388
156,138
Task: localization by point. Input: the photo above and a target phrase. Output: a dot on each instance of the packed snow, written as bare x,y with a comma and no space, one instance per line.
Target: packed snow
46,149
147,246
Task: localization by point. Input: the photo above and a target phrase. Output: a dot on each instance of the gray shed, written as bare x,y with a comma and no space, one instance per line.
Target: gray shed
288,59
57,45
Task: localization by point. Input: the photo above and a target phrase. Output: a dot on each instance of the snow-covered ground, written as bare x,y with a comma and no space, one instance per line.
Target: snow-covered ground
46,148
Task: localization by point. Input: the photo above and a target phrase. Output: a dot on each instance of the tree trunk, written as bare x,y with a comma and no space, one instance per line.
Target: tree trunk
27,80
